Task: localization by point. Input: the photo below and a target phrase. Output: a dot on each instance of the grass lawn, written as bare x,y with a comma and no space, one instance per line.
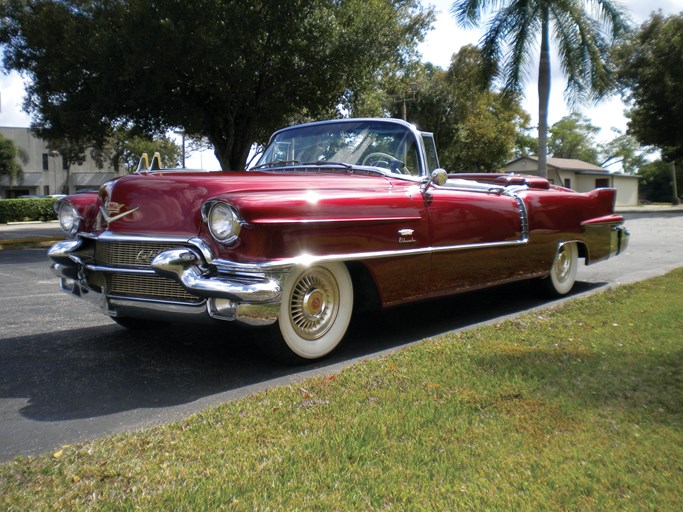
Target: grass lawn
575,408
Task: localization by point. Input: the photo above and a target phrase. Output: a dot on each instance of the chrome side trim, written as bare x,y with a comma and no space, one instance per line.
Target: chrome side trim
523,215
311,259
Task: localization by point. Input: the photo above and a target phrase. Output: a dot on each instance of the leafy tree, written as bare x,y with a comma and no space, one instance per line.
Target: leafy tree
651,74
624,149
657,181
124,148
475,129
583,43
10,155
230,70
573,136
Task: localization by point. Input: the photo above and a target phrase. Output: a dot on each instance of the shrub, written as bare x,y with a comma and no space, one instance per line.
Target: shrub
13,210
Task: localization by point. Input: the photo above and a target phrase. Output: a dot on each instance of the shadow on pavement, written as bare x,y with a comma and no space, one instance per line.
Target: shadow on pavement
103,370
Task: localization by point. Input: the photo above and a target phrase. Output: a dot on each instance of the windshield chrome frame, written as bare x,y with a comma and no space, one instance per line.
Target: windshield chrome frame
417,134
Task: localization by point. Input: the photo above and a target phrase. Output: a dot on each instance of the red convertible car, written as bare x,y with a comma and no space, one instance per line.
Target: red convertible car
337,216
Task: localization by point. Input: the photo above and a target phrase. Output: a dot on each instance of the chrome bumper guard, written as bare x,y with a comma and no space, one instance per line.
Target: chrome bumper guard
620,239
247,298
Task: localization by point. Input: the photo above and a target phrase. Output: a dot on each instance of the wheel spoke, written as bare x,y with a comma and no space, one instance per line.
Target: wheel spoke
314,304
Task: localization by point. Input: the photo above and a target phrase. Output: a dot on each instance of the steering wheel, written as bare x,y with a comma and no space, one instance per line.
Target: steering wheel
383,160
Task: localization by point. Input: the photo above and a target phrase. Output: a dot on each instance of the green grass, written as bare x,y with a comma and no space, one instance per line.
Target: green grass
575,408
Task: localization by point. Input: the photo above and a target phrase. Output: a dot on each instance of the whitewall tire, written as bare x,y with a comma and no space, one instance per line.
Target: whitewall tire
316,308
563,271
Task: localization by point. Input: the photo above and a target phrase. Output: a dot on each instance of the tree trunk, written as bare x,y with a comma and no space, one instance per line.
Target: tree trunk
675,200
232,142
543,97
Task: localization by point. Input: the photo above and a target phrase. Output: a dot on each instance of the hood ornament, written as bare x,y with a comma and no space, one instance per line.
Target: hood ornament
111,211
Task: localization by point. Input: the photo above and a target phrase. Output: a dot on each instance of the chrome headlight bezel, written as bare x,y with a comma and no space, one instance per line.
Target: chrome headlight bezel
223,221
69,218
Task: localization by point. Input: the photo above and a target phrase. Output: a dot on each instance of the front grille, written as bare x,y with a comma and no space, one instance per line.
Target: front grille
146,287
129,254
135,255
149,287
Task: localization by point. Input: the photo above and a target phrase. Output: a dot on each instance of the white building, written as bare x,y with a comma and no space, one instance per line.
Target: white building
46,172
580,176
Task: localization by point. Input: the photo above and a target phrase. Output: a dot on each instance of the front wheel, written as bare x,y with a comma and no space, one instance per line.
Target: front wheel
563,271
317,303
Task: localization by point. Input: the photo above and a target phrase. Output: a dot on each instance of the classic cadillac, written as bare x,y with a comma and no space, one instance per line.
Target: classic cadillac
336,217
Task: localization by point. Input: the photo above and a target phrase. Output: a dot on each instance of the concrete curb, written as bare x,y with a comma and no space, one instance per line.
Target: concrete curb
28,243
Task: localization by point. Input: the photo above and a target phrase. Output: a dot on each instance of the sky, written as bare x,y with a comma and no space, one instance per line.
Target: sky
445,39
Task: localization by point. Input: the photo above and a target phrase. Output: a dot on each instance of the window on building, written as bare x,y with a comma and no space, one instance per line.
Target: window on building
567,183
45,162
602,183
46,190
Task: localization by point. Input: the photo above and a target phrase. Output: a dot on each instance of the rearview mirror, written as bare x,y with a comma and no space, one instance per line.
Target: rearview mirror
438,177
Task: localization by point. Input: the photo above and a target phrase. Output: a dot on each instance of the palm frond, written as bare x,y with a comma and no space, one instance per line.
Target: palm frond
467,13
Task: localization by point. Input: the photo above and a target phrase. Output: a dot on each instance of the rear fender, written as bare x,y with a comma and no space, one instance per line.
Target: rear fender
605,199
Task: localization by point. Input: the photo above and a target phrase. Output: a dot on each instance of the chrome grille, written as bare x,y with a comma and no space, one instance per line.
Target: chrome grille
149,287
130,254
135,255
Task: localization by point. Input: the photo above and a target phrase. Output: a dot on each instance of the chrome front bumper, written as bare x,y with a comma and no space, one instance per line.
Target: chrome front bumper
218,293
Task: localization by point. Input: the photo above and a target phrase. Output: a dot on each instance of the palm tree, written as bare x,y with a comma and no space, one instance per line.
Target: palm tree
583,30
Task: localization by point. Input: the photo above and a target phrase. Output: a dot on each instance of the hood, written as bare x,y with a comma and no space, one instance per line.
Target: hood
169,203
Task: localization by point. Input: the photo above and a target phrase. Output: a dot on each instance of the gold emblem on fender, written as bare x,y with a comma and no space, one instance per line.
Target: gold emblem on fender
112,211
405,236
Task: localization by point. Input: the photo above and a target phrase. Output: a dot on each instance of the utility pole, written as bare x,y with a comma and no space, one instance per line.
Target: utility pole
404,101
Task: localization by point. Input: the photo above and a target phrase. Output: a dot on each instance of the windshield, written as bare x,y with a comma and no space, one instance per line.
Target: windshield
368,143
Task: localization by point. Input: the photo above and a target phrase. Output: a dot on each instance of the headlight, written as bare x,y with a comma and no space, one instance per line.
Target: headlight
223,222
69,219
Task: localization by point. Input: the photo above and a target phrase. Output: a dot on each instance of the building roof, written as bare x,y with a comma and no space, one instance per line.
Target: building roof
573,165
564,164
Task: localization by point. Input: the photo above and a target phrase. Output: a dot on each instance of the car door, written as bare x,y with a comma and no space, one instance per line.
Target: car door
478,234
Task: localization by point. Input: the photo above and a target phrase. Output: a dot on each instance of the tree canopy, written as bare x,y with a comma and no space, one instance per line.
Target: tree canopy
475,128
123,150
230,70
651,73
573,136
656,184
582,31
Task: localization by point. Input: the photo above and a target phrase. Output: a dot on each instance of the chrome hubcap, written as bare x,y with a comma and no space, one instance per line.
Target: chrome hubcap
314,304
562,264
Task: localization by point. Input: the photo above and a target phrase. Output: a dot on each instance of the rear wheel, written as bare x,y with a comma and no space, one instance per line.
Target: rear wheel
316,308
563,271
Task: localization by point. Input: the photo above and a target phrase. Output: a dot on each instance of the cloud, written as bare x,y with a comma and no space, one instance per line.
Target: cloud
11,100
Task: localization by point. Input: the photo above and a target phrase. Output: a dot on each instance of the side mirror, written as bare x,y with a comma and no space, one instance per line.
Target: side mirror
438,177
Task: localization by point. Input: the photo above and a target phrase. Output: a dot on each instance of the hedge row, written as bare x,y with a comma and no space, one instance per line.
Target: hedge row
15,210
